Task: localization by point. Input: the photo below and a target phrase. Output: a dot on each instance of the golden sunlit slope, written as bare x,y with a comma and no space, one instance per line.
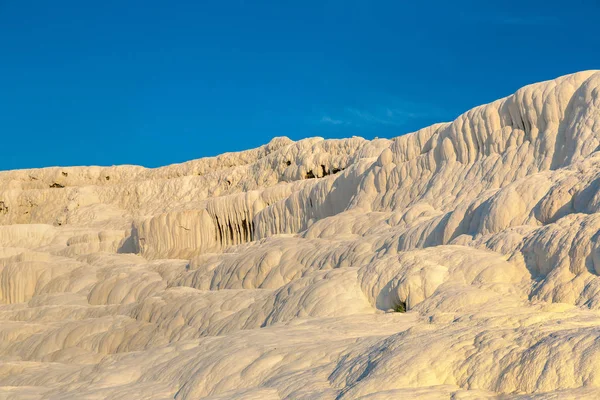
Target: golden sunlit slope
280,272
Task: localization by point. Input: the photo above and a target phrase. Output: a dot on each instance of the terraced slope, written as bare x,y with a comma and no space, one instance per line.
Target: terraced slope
281,272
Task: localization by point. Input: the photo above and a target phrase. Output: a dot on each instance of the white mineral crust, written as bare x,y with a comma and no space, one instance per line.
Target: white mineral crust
271,273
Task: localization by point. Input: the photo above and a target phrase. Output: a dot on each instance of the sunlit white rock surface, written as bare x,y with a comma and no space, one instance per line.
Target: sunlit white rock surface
272,273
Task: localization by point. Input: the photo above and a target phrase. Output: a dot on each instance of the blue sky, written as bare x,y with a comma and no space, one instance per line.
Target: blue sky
156,82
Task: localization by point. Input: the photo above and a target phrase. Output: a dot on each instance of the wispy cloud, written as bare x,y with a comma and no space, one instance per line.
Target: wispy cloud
383,117
398,113
328,120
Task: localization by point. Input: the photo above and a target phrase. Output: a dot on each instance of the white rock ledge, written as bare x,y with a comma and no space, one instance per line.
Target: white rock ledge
277,273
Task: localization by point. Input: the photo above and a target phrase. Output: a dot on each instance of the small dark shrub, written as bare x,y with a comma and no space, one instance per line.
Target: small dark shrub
400,307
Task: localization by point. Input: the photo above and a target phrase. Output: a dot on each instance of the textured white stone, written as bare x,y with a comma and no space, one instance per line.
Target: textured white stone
271,273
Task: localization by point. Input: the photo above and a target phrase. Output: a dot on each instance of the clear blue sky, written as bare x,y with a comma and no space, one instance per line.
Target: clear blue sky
156,82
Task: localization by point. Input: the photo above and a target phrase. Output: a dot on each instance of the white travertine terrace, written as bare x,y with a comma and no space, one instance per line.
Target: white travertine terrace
271,273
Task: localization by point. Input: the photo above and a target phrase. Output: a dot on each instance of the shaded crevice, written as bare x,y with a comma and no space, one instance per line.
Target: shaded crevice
3,208
231,232
220,235
245,228
324,172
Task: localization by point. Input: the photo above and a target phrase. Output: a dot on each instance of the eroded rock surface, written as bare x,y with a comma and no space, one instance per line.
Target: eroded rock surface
280,272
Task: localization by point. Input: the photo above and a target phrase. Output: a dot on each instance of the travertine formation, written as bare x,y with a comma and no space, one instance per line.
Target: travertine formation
284,272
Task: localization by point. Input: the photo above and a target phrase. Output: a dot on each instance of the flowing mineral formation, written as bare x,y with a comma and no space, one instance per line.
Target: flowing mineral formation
460,261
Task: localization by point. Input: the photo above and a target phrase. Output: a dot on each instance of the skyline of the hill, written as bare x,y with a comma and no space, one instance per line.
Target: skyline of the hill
154,83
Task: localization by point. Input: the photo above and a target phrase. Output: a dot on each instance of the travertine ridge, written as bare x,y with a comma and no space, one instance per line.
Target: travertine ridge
274,273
